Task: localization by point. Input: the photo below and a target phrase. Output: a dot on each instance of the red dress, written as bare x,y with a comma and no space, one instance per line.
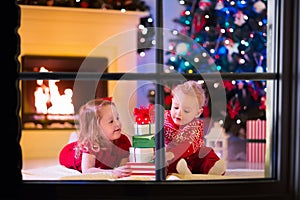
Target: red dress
106,159
187,142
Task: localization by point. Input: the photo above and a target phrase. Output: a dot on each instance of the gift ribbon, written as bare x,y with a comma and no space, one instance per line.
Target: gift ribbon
142,115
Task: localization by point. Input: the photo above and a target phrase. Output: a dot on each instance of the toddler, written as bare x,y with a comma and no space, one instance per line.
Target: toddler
185,149
101,145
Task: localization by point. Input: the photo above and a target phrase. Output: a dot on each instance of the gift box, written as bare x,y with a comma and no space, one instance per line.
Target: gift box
143,141
144,129
141,155
142,169
256,140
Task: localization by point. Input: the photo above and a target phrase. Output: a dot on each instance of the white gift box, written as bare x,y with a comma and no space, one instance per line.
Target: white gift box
141,155
144,129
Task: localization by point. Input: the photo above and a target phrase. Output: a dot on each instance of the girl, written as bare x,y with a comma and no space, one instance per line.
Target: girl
185,150
101,145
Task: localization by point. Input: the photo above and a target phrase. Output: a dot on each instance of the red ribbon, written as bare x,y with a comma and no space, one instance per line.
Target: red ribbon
107,98
142,114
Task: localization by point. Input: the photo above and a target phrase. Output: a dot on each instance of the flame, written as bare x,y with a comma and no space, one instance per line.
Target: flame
49,95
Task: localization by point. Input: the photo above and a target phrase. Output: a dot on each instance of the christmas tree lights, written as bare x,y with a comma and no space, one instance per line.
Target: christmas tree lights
232,38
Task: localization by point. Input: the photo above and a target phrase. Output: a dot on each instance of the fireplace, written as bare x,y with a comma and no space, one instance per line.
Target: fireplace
52,104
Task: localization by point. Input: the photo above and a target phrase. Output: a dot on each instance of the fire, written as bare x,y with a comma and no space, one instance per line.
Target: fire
48,94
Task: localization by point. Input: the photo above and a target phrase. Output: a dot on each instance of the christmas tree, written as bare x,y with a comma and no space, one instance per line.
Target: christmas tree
233,34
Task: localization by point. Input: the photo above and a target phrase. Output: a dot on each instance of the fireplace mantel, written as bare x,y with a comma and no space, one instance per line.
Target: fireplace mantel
64,31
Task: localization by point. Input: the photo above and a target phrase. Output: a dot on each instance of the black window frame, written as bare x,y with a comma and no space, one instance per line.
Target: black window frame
283,185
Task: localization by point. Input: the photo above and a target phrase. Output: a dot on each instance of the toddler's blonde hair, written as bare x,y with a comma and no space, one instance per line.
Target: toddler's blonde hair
191,88
90,136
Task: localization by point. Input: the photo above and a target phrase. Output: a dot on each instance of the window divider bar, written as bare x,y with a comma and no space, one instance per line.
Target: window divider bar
142,76
160,170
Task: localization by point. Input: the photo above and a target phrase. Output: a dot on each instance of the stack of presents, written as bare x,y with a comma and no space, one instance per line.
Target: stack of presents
141,159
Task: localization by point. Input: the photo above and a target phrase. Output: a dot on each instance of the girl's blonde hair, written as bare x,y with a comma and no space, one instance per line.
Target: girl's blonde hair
90,136
192,88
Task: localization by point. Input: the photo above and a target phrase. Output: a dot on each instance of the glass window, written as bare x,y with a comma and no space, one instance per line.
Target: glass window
232,48
223,45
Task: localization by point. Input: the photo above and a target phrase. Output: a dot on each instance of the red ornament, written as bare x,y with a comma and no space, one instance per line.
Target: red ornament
253,92
198,22
228,85
84,4
206,111
168,99
204,4
262,105
233,108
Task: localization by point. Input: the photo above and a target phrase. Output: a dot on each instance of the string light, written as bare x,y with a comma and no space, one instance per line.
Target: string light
142,54
216,85
242,61
144,31
186,63
221,122
174,32
172,58
142,40
221,34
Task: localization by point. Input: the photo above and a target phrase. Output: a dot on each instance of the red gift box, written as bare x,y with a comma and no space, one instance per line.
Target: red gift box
142,169
256,140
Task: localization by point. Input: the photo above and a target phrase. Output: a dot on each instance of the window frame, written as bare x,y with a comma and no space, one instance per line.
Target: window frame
283,185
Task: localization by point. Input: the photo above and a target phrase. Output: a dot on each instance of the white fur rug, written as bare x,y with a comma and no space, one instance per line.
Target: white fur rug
58,172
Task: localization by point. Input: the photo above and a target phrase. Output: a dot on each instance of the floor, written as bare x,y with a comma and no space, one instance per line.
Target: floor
37,163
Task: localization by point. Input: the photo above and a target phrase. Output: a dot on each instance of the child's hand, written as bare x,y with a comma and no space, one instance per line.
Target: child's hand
122,171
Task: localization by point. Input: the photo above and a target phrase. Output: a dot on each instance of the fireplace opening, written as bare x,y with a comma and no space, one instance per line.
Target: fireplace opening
54,104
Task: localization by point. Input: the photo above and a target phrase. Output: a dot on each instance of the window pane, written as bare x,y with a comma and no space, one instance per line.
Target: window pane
235,107
233,34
